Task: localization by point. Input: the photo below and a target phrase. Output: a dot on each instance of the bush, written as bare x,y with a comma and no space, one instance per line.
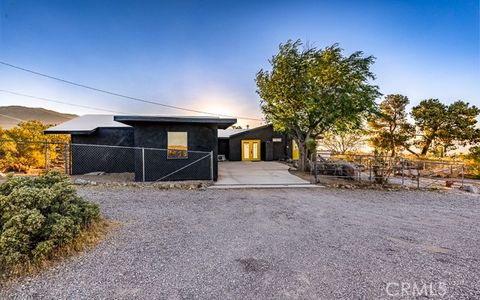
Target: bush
37,216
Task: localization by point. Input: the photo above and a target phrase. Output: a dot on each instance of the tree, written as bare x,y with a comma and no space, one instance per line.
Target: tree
24,146
390,130
343,141
445,125
309,90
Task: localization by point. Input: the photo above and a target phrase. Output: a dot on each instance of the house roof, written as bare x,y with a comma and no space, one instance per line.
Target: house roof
251,129
226,133
85,124
222,123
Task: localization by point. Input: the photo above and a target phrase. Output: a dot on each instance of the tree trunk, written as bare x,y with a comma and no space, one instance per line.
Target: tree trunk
411,151
424,152
303,158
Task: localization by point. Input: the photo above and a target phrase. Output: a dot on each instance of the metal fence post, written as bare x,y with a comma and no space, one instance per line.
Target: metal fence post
211,165
370,170
418,176
463,176
451,173
65,159
45,152
402,162
143,164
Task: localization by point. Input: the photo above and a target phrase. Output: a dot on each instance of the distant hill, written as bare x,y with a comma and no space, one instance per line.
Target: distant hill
10,116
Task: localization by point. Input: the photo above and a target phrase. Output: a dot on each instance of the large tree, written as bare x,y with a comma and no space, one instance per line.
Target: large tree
446,125
343,140
22,147
390,130
309,90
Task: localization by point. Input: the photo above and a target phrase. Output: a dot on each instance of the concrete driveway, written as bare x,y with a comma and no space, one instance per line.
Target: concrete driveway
260,173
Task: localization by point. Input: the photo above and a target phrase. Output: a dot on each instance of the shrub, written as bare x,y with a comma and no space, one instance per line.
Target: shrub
39,215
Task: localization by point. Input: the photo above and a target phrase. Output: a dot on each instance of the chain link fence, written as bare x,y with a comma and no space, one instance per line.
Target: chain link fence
33,157
145,164
397,170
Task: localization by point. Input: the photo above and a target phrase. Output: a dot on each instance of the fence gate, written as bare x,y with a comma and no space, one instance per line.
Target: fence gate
161,165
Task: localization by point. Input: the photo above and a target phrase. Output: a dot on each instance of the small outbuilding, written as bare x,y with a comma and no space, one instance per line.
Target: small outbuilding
260,143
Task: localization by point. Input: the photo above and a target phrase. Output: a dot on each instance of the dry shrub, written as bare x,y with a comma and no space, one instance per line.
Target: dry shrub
43,218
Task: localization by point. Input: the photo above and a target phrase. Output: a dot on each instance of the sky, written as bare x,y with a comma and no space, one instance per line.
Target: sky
204,55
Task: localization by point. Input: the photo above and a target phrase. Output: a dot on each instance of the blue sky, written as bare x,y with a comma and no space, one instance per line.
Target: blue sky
204,54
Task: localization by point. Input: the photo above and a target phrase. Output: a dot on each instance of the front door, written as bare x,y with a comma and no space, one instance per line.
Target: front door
295,151
250,149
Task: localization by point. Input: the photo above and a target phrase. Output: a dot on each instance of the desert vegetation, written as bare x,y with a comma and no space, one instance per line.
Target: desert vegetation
324,97
24,147
43,218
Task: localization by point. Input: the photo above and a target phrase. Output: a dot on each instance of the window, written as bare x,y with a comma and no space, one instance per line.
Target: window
177,145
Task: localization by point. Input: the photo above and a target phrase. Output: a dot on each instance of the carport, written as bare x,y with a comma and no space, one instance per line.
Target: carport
257,174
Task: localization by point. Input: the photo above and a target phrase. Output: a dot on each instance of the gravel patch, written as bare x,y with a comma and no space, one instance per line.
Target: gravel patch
276,244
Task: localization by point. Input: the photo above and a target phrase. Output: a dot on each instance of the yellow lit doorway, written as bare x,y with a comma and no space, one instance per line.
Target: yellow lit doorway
250,149
295,151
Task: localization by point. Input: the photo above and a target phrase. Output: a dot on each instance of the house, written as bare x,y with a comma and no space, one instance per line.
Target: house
260,143
153,147
167,147
186,139
86,133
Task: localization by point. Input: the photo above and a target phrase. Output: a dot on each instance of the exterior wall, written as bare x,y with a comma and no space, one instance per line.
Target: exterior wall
86,159
201,137
223,145
281,150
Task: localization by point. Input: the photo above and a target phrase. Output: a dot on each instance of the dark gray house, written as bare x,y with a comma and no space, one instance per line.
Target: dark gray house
153,147
90,130
260,143
195,138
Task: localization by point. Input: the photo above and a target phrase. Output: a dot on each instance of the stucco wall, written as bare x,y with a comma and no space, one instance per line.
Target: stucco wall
281,150
201,137
86,159
223,145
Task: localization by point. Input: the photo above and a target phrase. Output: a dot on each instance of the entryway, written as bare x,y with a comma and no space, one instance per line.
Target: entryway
251,150
257,174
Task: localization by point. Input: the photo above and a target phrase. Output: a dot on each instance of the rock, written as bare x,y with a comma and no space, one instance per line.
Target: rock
470,189
413,173
80,181
94,173
93,182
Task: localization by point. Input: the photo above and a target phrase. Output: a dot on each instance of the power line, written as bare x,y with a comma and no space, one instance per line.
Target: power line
61,102
121,95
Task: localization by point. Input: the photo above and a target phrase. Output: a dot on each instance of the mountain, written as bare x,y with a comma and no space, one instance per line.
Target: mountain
10,116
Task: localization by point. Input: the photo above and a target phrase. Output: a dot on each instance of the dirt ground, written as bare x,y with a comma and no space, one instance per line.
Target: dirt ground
272,244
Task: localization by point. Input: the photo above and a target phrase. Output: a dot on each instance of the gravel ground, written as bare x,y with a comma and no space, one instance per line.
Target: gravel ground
285,243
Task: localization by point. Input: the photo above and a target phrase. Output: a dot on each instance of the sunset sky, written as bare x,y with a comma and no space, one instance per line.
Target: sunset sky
204,55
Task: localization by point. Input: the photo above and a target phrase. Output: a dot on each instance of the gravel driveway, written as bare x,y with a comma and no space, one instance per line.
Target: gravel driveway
290,243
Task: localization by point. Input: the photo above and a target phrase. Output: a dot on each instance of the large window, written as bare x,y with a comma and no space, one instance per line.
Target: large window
177,145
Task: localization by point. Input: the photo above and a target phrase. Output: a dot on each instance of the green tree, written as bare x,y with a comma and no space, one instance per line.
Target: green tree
390,130
310,90
23,146
446,125
340,141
